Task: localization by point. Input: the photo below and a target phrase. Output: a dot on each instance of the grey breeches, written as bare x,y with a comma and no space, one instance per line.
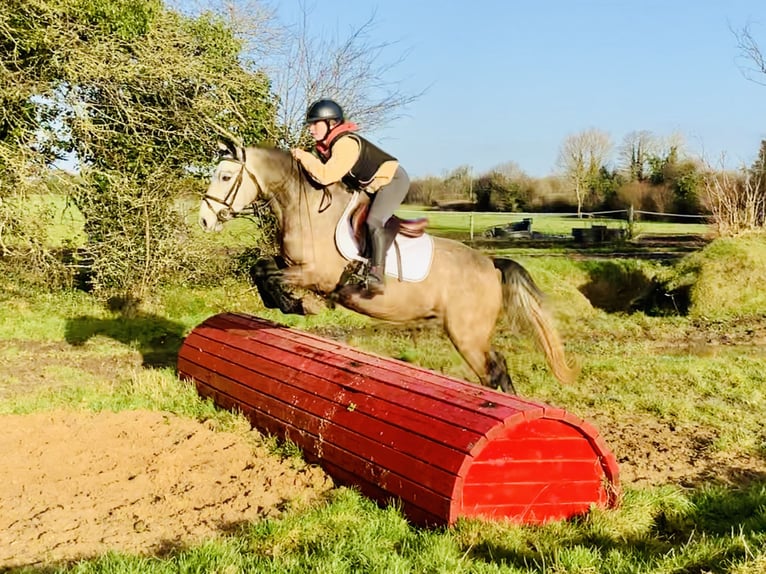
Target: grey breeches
388,199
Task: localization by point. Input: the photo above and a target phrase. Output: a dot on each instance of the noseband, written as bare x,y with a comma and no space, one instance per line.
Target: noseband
228,211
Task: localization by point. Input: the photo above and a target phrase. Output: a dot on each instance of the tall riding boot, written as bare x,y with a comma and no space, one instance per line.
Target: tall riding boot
376,276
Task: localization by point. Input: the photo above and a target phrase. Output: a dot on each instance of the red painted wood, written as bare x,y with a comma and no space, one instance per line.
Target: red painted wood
291,370
357,471
441,447
345,411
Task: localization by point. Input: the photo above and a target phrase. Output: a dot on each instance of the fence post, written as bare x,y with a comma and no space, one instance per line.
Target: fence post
471,220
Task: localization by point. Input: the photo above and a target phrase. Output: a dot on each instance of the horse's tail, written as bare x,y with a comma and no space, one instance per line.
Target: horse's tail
522,298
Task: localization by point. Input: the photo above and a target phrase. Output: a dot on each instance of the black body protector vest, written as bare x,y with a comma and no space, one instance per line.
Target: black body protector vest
371,157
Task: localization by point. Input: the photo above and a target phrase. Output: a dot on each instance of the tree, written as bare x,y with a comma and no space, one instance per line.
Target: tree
634,153
675,177
138,95
26,71
305,63
504,188
581,156
737,200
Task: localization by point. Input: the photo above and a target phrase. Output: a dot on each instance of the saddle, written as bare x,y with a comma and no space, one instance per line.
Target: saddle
394,226
409,249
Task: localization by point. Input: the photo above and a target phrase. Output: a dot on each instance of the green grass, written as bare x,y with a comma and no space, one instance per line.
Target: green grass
665,531
633,366
627,370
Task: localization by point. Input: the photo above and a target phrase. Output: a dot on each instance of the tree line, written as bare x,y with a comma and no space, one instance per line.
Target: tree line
135,93
651,174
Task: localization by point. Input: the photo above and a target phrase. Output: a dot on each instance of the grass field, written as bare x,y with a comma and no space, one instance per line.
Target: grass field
679,399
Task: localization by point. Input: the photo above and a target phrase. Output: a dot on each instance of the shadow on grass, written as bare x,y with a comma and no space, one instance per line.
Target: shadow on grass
156,338
620,287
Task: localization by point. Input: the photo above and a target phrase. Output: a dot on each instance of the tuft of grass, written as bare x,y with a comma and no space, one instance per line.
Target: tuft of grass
726,278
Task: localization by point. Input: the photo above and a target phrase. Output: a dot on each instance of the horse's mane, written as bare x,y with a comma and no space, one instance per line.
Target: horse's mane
285,162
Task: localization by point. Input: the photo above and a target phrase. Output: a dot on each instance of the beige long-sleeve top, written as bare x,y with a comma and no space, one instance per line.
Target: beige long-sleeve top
345,153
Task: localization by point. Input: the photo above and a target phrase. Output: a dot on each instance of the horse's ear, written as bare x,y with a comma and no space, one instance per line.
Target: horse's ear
226,150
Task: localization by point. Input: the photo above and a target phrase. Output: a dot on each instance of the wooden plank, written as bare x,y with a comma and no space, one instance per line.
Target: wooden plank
415,513
392,455
523,448
425,471
463,389
449,426
358,469
442,447
454,391
531,471
376,382
385,429
476,495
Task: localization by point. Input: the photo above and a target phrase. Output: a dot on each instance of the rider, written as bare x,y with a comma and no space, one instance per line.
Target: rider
343,155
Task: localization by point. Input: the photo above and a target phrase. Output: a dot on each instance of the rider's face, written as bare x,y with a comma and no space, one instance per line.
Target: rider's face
318,130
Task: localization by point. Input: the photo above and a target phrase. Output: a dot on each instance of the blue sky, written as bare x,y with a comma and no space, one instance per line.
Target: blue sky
509,80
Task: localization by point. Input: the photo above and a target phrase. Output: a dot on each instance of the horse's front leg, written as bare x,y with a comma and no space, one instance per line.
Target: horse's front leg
272,277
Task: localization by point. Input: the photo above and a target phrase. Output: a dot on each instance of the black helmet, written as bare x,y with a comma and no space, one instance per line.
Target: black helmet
324,110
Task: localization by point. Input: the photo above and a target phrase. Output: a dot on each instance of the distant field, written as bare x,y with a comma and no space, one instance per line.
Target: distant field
67,223
453,223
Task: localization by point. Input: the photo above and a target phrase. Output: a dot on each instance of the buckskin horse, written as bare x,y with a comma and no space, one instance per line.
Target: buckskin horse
463,289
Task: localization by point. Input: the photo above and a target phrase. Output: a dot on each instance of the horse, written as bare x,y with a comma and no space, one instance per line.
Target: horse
464,290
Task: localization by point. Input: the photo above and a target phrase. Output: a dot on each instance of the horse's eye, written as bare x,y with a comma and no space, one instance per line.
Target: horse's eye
226,177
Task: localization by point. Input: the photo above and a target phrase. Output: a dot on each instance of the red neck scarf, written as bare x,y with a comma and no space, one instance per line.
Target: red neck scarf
323,147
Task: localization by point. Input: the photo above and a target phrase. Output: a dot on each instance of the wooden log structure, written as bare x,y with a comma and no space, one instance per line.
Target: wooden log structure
440,447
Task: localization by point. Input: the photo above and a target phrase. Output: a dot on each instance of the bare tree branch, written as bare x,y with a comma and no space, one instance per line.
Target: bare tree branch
355,71
305,64
751,52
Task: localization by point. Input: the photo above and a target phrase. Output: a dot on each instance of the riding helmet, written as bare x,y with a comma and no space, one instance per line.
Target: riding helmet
324,110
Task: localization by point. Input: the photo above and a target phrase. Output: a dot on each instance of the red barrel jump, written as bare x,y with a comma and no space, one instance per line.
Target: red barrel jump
443,448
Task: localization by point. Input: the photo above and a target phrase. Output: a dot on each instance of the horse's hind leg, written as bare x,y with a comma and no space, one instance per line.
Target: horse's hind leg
474,345
497,370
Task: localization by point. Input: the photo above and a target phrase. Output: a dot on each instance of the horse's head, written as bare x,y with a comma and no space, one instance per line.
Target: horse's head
232,188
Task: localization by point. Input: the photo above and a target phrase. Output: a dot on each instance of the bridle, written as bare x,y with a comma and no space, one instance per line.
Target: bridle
227,212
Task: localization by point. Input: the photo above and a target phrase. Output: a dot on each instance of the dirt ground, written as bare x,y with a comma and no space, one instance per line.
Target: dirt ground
76,484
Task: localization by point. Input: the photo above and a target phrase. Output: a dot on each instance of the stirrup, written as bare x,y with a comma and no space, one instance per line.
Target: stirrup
375,284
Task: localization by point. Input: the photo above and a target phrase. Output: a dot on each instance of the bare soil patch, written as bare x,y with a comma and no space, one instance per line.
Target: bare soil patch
77,484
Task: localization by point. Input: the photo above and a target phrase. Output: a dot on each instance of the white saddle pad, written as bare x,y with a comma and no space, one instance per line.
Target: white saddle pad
416,253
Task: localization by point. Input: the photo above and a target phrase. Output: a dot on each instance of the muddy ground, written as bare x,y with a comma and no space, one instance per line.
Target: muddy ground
76,484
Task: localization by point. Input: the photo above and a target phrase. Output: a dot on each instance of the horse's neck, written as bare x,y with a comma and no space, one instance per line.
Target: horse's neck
307,218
